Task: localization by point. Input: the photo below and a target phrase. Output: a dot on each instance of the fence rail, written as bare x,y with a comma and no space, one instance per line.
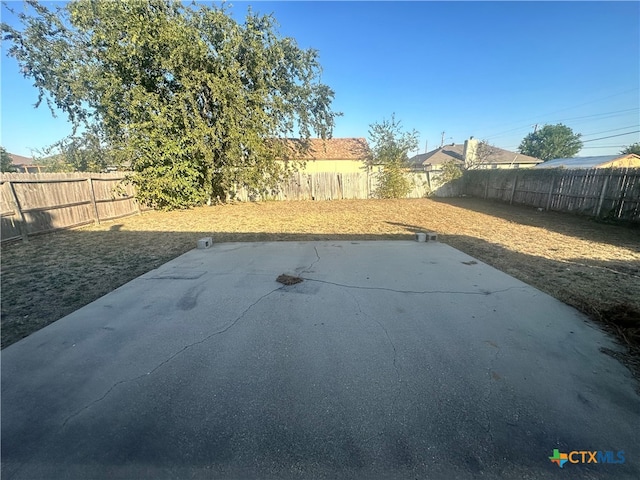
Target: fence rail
604,193
37,203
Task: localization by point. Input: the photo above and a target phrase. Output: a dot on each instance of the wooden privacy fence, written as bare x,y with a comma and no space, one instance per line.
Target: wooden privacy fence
36,203
604,193
317,186
336,186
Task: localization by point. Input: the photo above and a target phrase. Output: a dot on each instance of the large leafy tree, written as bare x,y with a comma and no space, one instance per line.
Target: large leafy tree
6,164
190,98
85,152
390,147
633,148
551,141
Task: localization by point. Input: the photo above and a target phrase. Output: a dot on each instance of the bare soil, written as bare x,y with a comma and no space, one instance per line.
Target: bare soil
592,266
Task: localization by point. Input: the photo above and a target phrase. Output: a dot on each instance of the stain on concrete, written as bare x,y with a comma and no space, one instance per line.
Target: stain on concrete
190,299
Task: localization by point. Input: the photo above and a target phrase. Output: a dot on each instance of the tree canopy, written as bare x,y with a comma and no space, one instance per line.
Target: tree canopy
633,148
6,164
551,141
188,97
390,147
85,152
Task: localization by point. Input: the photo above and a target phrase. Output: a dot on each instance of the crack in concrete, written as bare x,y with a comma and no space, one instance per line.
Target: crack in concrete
488,395
415,292
308,269
396,391
395,352
171,357
384,329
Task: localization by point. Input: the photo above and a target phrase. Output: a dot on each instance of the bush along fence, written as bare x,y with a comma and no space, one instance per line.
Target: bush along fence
612,194
37,203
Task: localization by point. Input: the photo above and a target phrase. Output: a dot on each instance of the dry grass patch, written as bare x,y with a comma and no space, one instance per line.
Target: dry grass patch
592,266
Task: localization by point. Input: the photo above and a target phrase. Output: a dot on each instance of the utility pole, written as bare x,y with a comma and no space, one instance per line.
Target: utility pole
535,128
442,140
426,143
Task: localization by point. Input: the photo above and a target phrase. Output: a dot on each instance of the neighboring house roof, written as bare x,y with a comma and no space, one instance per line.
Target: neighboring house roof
585,162
25,164
501,155
439,156
18,160
455,153
334,149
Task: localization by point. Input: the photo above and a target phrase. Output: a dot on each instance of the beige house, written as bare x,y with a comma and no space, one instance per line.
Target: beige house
630,160
339,155
471,155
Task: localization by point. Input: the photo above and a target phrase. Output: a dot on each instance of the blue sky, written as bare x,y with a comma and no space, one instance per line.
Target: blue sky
487,69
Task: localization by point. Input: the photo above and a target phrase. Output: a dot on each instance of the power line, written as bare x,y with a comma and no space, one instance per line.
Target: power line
562,110
612,130
531,119
593,101
599,121
593,140
603,146
602,116
611,136
599,114
512,148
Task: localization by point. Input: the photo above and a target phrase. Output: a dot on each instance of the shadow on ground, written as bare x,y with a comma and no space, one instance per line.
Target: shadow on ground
560,222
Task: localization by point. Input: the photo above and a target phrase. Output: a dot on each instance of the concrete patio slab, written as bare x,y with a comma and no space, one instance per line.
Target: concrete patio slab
389,360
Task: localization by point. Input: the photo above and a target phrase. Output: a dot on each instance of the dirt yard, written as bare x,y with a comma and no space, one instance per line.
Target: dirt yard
592,266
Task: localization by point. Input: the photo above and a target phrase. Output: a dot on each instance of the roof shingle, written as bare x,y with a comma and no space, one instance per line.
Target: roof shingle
334,149
456,153
20,160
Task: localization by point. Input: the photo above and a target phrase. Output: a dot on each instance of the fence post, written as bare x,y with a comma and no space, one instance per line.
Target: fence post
130,190
486,186
96,216
623,194
137,204
553,182
513,190
605,185
23,221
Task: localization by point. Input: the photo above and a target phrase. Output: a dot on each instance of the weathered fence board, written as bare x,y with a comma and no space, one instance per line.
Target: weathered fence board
37,203
338,186
606,193
316,186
